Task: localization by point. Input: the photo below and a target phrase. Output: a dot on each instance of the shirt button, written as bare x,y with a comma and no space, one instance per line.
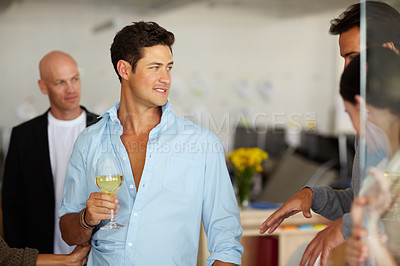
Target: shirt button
150,156
124,158
131,186
130,244
135,214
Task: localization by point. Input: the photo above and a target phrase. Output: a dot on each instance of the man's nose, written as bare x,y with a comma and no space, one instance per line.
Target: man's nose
165,76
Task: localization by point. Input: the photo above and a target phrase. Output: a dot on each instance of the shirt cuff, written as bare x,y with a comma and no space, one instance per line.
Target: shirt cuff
319,193
224,257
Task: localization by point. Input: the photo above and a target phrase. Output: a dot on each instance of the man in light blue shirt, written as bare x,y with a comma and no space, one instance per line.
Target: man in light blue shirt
174,171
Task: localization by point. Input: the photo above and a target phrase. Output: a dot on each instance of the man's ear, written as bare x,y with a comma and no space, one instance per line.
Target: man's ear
124,68
43,87
358,100
391,46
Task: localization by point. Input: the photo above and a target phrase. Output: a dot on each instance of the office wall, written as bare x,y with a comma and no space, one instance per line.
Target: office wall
231,64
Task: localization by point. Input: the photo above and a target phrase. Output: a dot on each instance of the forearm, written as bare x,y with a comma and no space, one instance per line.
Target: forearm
53,259
330,203
72,232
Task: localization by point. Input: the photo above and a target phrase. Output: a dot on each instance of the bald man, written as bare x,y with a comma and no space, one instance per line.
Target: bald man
37,159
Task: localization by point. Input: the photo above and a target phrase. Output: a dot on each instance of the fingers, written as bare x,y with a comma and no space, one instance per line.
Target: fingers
310,254
86,244
272,223
103,196
364,252
99,206
307,213
85,249
263,228
268,222
80,254
357,251
306,204
358,232
301,201
324,257
357,209
306,209
361,201
323,243
102,200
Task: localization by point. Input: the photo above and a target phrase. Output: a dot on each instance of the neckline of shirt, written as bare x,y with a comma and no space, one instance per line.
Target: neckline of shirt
67,123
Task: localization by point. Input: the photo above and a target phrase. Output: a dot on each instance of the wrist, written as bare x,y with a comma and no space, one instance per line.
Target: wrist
82,221
54,259
308,192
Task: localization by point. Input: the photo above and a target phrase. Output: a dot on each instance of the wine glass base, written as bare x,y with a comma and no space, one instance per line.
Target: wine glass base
112,226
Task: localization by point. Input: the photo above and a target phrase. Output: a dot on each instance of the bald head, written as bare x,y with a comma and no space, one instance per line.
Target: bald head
54,60
59,79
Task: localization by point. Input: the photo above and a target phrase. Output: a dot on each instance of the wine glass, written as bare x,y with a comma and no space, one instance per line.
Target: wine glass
109,178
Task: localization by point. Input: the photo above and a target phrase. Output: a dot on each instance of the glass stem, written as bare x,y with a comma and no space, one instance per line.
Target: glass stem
112,221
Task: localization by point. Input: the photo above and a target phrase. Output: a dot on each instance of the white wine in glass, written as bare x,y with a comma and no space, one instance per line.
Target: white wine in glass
109,178
109,184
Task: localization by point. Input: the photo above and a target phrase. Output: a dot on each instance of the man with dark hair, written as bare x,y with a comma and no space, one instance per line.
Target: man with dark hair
382,21
37,159
383,29
175,174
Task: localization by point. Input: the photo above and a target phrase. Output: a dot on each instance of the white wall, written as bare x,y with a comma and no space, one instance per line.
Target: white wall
221,56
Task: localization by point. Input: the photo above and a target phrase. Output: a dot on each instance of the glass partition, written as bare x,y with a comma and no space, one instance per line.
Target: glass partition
378,70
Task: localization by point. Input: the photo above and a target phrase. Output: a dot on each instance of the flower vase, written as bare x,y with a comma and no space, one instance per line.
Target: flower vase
244,181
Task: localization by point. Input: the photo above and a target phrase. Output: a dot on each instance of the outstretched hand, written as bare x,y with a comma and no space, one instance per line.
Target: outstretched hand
300,202
323,243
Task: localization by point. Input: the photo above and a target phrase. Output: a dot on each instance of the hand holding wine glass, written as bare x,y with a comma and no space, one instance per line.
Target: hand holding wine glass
109,178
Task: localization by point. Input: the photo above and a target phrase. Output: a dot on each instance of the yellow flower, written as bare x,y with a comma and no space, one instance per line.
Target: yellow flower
248,157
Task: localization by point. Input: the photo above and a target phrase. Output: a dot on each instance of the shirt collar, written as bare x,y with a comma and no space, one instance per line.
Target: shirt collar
113,111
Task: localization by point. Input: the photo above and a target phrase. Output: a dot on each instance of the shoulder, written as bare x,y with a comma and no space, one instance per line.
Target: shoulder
91,118
192,130
39,121
94,130
184,125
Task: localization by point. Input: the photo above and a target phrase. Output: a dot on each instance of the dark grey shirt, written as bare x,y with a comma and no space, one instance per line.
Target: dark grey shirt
332,203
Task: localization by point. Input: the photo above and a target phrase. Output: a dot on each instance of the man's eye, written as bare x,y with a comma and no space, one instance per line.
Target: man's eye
169,68
60,83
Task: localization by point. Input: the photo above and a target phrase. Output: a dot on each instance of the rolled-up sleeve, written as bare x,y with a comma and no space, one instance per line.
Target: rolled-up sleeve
221,217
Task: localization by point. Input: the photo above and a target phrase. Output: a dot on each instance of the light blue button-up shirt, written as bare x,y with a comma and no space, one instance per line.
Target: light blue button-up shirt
184,181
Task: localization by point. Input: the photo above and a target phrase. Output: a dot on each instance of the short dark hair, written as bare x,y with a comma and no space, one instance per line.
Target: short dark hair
383,23
382,83
129,42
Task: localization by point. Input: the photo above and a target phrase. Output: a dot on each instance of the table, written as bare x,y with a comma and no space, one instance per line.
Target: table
288,240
